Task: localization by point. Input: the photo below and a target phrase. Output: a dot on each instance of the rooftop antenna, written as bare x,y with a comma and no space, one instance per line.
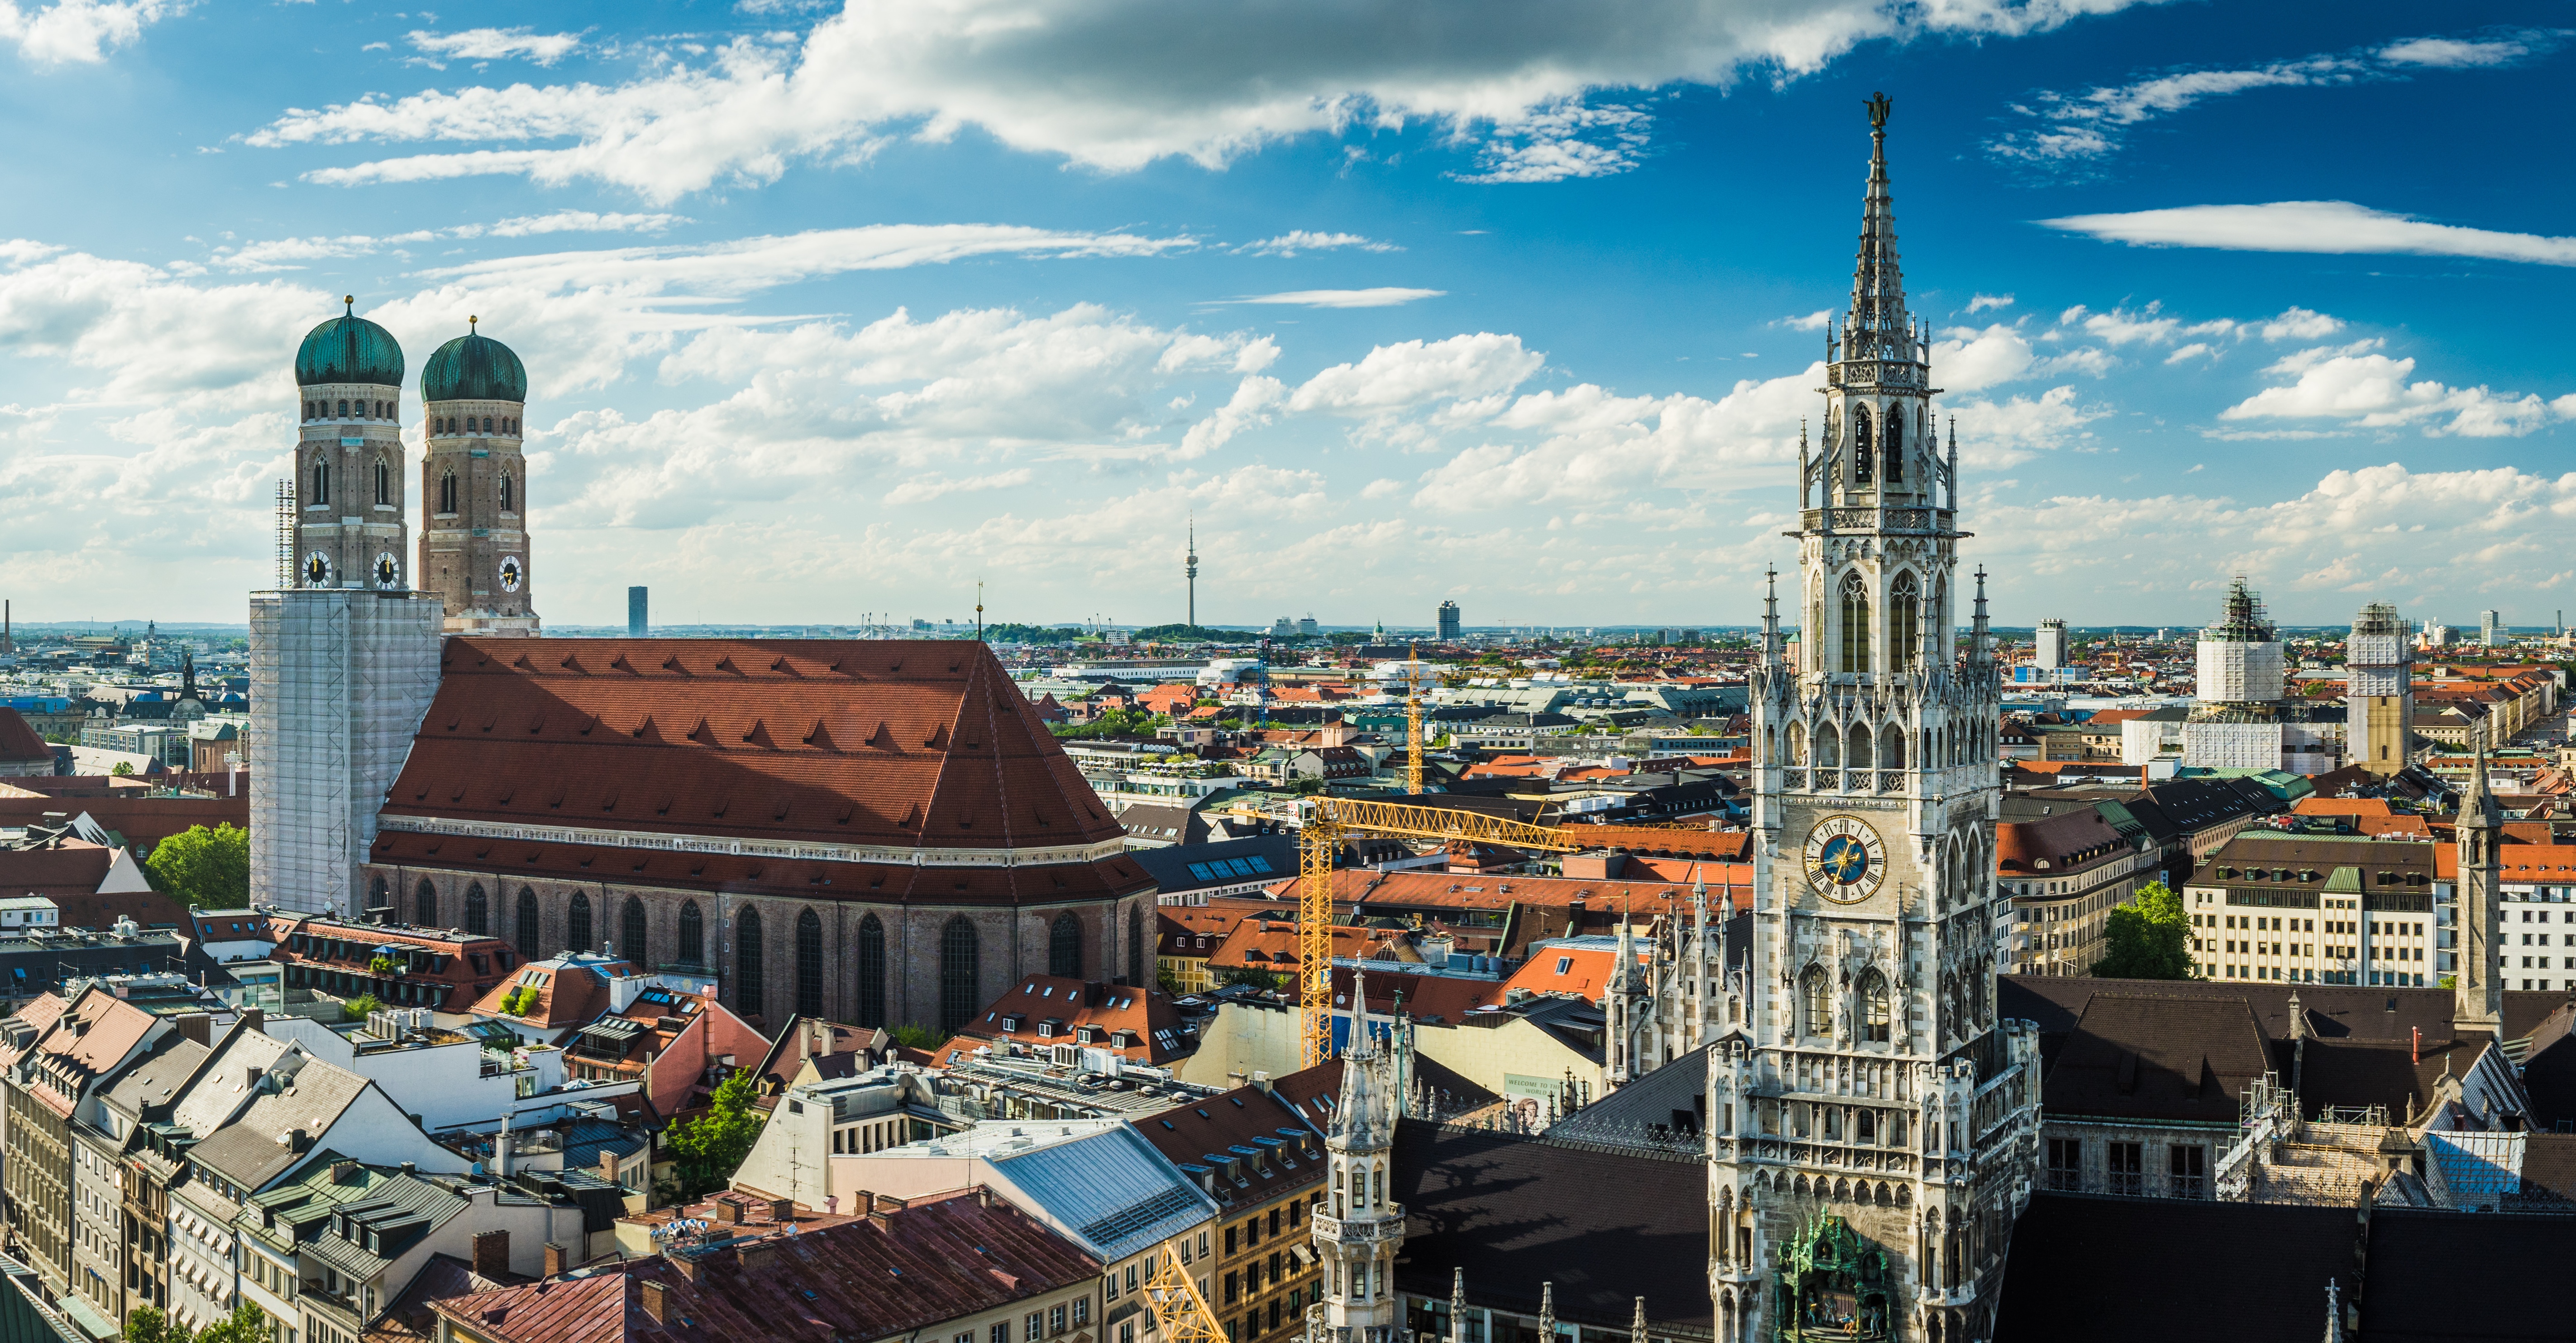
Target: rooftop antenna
979,610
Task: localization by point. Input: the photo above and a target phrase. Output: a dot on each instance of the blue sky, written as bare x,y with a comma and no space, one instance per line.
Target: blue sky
831,312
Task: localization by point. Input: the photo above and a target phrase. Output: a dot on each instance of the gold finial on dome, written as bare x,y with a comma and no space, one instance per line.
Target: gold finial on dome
352,301
469,323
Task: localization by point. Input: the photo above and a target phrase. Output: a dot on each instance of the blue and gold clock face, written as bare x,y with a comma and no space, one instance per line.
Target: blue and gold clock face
1846,860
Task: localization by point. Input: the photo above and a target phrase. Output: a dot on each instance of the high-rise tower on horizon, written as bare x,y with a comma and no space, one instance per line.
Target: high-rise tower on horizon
2379,692
1872,1141
1190,570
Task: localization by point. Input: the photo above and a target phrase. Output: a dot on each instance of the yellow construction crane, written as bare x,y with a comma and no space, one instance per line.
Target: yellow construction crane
1332,819
1179,1309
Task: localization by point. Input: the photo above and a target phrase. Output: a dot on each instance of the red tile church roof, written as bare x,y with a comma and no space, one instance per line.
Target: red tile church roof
895,744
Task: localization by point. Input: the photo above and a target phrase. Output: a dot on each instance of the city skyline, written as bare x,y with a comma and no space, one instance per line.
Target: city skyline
829,359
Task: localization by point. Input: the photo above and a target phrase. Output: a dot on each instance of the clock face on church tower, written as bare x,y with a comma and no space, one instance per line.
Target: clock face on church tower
1845,859
511,573
317,570
387,570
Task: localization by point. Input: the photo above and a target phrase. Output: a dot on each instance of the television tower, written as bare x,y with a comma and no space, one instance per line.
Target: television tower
1191,570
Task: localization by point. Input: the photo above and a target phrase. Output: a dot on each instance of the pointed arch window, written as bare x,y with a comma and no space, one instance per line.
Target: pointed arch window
1816,996
1895,455
959,954
1797,744
1856,746
478,911
506,504
633,939
1064,947
809,965
749,984
1874,1008
577,923
1855,613
447,493
693,935
1860,445
1904,622
321,482
384,482
1829,747
872,972
425,905
1891,748
527,925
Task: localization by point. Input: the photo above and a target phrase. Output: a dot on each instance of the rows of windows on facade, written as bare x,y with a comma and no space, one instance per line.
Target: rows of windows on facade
350,524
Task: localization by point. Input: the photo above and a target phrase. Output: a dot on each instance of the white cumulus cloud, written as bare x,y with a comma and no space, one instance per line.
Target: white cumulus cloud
1118,84
2369,390
79,31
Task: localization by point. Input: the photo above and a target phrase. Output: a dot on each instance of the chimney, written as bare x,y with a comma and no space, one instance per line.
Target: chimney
983,1196
557,1259
608,1166
782,1210
253,1018
728,1211
198,1029
501,1151
657,1299
492,1254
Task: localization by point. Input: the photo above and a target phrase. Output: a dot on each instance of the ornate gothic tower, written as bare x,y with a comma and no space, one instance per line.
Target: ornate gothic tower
1360,1232
344,660
1870,1148
2476,982
474,486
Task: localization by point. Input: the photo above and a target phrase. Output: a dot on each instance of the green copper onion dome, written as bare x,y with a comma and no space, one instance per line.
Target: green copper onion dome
473,368
349,348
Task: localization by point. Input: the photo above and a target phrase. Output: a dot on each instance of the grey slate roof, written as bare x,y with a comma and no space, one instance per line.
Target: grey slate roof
156,1079
220,1093
247,1151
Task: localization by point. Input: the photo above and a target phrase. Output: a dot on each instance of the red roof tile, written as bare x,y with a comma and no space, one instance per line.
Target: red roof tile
886,1276
19,742
898,744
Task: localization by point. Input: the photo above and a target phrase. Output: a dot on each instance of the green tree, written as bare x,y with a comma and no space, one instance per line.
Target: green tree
914,1035
710,1148
123,768
148,1325
2147,938
356,1009
245,1325
210,869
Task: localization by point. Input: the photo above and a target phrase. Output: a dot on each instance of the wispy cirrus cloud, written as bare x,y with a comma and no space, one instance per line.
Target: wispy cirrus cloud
1383,297
2329,227
1305,240
496,44
2074,132
278,254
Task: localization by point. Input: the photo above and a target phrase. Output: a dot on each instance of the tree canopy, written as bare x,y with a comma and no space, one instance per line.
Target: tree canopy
210,869
2148,938
710,1148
